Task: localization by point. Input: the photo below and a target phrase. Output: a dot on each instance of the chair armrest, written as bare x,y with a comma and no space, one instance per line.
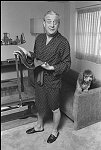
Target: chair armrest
87,108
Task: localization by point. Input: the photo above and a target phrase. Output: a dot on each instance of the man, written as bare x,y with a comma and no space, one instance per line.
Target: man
54,51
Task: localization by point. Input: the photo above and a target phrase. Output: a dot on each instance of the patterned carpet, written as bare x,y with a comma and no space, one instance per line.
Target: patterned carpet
88,138
14,137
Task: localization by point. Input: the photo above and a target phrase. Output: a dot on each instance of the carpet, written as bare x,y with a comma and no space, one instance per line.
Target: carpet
88,138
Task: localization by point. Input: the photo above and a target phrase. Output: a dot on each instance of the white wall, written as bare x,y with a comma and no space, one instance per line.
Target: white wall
15,19
80,65
67,20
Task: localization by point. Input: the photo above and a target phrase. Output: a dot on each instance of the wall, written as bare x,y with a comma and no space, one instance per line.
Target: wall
15,19
80,65
67,20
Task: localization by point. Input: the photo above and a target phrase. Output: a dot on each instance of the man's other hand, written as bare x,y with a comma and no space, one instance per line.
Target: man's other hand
47,66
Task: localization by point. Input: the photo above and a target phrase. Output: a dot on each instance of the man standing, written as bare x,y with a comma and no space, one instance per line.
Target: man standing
53,50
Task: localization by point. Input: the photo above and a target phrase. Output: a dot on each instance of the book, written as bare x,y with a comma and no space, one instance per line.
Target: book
23,49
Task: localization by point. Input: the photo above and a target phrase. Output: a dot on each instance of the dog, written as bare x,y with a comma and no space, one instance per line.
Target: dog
84,81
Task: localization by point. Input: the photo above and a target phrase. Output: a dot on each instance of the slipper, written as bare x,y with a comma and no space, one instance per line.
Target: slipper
52,138
32,130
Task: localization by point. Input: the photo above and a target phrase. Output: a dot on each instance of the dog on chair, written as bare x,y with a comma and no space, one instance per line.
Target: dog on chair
84,81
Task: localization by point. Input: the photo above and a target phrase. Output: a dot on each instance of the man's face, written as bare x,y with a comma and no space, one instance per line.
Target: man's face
51,24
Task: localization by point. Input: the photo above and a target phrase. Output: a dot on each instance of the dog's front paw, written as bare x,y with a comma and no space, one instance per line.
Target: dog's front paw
86,90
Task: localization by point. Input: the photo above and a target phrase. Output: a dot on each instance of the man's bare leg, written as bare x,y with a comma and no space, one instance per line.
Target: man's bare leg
56,121
40,125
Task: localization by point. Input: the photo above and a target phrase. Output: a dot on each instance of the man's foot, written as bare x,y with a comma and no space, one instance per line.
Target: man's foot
33,130
52,138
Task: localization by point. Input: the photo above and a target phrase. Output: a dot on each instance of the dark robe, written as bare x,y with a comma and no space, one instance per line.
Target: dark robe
56,53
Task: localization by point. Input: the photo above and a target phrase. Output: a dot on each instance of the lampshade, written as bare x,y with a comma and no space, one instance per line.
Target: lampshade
36,26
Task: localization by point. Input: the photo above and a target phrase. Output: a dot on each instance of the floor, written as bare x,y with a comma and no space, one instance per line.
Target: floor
88,138
15,137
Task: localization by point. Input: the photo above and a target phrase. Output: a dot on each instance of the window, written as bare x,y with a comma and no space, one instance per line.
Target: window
88,34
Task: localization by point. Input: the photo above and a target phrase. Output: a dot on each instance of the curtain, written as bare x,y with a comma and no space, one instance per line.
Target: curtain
88,34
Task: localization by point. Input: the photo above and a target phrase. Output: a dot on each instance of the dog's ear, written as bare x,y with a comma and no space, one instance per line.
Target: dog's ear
80,78
93,78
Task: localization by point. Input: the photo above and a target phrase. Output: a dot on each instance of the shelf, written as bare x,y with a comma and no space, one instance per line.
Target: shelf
11,44
9,66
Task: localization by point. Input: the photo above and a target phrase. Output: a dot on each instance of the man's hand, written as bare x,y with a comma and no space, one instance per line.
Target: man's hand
47,66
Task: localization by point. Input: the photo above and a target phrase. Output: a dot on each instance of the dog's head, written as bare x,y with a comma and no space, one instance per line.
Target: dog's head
86,77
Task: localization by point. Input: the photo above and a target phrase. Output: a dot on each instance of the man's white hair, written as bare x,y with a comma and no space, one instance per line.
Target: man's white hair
51,12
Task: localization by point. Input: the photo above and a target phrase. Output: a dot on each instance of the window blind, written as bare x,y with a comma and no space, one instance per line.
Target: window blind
88,34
